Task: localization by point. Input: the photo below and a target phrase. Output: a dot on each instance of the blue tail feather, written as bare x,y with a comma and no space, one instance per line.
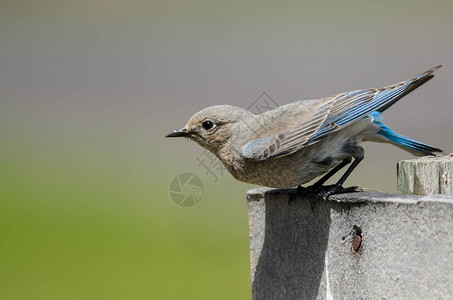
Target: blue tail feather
400,140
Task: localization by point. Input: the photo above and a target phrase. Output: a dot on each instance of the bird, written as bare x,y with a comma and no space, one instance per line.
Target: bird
296,143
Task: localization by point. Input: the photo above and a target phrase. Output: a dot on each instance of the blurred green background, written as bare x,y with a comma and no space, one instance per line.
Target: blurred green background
88,89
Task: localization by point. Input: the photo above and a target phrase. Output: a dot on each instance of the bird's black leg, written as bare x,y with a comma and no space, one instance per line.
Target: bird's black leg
358,154
316,187
332,172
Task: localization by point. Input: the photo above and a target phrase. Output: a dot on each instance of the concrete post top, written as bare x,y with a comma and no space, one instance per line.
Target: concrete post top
367,197
363,245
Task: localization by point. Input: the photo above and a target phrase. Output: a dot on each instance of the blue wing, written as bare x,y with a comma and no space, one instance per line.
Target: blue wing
353,106
325,116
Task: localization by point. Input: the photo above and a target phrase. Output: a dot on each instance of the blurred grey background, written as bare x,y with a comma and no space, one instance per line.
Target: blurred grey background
88,89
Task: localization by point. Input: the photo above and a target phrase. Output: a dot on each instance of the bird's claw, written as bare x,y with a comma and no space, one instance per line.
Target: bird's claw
314,192
303,192
338,189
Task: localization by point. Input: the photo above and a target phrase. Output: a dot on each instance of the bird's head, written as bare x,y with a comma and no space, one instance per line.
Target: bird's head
212,127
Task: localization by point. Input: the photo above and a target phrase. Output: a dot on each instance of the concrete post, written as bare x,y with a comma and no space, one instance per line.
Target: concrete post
354,246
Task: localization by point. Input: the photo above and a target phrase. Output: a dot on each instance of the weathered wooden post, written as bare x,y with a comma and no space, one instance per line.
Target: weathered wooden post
426,176
354,246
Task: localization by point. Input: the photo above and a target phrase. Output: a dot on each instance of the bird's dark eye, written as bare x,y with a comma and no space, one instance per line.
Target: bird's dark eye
207,125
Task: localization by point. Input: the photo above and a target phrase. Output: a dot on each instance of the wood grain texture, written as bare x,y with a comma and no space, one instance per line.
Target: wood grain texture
426,176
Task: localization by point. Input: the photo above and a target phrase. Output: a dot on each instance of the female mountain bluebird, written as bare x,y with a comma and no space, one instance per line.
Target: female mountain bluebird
295,143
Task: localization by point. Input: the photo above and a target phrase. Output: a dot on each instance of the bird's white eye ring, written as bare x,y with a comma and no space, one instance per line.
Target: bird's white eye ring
207,125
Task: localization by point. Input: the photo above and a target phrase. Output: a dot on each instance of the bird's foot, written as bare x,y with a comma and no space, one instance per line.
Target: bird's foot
320,192
305,192
337,189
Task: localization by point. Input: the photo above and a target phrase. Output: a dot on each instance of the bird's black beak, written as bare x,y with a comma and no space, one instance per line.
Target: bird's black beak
178,133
